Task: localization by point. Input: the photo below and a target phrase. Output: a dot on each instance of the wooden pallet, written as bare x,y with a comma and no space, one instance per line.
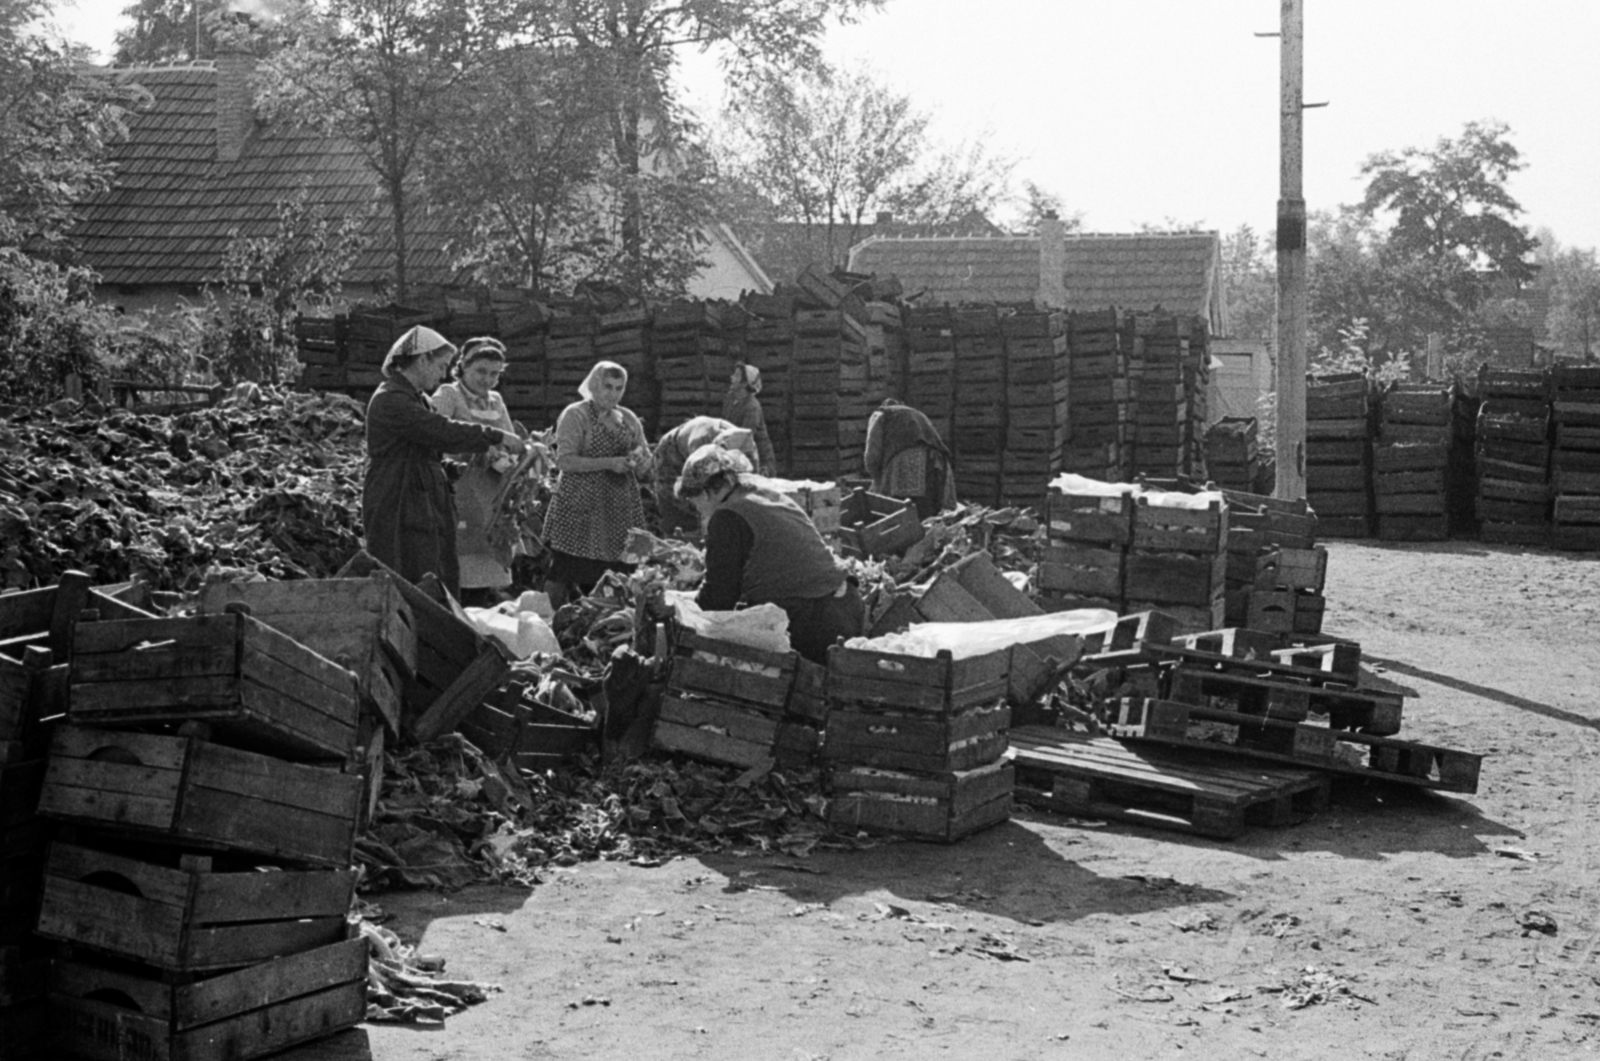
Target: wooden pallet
1339,751
1207,795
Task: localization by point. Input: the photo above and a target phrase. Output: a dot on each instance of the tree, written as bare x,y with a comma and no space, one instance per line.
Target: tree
1249,284
381,74
832,150
1450,204
161,30
1039,203
56,123
1573,325
630,45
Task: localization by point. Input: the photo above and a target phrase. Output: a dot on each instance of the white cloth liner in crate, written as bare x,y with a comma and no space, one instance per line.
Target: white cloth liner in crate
963,640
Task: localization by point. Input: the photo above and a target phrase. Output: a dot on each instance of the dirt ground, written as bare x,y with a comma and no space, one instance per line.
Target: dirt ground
1390,926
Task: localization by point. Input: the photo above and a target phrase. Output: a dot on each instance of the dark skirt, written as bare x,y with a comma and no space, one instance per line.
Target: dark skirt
582,572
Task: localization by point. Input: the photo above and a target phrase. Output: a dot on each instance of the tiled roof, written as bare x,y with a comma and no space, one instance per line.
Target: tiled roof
1176,271
168,216
785,248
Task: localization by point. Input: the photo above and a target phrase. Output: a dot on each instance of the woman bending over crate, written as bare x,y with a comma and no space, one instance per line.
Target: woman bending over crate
761,548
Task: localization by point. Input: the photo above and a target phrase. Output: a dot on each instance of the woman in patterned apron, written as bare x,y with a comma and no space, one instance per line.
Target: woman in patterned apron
601,453
471,398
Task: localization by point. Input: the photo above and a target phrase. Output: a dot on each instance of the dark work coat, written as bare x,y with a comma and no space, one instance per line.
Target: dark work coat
407,510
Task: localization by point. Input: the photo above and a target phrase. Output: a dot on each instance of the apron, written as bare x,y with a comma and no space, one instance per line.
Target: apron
591,512
483,565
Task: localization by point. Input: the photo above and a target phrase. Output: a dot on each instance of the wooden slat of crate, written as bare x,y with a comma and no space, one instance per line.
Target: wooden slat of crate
31,691
251,682
203,793
1165,527
1081,570
719,732
902,742
44,616
722,679
1292,568
231,1017
1208,795
189,919
1339,750
942,807
1174,578
939,684
1084,518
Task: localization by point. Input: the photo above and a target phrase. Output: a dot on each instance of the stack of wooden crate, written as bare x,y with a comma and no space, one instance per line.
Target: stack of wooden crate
623,336
1513,449
1339,455
1036,405
691,367
1160,406
1411,461
1196,397
743,706
1097,410
978,431
886,351
569,355
1575,406
1286,597
368,334
828,402
35,641
931,361
525,383
319,343
1258,528
1088,530
199,752
1178,557
1231,453
915,745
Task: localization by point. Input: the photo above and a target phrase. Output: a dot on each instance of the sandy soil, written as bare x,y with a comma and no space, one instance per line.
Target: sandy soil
1389,927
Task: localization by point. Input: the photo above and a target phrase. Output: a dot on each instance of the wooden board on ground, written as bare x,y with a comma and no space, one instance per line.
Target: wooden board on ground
1099,777
1339,751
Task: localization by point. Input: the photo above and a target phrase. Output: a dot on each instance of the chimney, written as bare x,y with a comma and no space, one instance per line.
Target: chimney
1052,262
236,67
885,217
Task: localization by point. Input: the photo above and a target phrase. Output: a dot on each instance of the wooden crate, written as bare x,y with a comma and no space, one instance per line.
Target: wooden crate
1292,569
32,690
943,807
256,687
360,623
185,915
1169,578
1171,528
43,617
1338,750
936,685
715,730
728,671
961,741
871,525
190,791
1088,518
107,1013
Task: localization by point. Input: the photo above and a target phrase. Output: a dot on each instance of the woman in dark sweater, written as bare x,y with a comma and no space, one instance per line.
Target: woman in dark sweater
761,548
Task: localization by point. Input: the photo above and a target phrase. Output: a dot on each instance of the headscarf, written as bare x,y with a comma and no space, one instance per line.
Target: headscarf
418,341
601,368
481,348
705,464
752,377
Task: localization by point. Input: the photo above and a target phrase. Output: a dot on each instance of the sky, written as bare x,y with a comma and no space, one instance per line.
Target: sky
1148,111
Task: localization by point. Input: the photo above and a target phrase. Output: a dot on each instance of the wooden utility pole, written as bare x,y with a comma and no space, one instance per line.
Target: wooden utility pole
1291,381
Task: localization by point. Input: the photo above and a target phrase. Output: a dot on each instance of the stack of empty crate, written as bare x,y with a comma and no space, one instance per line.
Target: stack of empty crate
1513,447
1036,397
1088,529
691,366
525,384
1097,409
368,334
319,343
1339,455
930,362
1261,530
886,351
1178,557
623,336
569,355
1575,405
769,346
1411,461
1196,400
1160,408
199,753
827,394
1231,453
743,706
978,433
915,745
35,641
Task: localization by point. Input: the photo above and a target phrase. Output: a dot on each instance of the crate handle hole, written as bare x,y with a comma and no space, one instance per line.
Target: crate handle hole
891,665
112,997
114,754
112,882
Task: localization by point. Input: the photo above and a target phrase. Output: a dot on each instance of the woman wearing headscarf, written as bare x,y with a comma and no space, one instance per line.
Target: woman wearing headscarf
741,408
906,458
407,511
761,548
673,449
600,452
471,398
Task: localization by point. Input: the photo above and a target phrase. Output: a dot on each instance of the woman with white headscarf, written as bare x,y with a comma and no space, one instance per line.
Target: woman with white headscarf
601,452
741,408
761,548
407,510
